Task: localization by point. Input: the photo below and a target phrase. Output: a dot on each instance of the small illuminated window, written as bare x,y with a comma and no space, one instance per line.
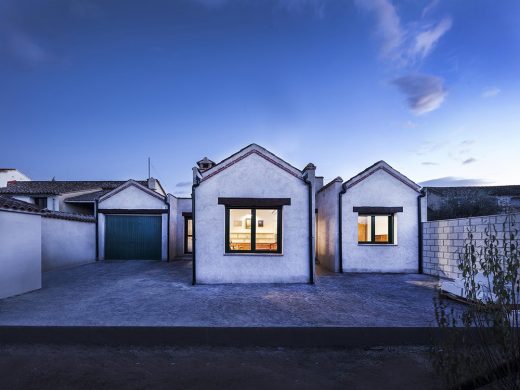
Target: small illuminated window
375,229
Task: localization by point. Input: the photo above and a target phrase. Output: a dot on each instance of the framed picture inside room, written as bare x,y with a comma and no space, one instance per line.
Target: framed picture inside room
260,223
248,223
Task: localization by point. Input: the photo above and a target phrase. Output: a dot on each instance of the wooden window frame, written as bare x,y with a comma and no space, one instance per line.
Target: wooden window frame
253,230
373,241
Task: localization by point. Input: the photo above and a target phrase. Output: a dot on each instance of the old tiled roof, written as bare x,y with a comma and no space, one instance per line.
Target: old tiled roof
90,197
511,190
8,203
68,216
60,187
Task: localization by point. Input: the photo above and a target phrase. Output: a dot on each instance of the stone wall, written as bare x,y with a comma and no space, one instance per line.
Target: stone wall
443,241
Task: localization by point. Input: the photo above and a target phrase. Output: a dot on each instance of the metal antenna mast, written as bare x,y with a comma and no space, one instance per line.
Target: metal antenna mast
149,167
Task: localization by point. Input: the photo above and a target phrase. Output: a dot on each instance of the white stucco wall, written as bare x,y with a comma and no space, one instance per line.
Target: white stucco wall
20,253
327,242
177,207
383,190
251,177
67,243
132,198
12,174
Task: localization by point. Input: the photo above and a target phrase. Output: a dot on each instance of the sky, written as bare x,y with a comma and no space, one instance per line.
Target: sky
89,89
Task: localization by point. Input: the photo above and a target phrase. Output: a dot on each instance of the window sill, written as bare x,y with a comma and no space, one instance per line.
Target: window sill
376,244
253,254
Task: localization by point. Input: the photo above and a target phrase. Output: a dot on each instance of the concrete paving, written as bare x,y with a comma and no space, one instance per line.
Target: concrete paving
145,293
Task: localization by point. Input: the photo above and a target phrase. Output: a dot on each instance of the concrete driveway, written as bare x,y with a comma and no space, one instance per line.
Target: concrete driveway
145,293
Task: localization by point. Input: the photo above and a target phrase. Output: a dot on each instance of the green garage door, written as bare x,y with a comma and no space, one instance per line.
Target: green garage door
133,237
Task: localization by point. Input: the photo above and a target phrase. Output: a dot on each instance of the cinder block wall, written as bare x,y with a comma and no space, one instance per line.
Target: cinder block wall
443,241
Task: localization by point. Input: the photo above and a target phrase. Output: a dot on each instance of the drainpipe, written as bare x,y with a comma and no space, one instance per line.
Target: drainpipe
196,182
421,195
97,228
168,231
311,212
340,226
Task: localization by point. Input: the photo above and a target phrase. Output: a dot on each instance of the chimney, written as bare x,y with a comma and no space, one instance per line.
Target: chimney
152,184
319,182
205,164
10,182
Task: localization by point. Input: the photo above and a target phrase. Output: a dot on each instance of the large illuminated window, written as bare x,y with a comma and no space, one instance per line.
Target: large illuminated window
253,230
375,229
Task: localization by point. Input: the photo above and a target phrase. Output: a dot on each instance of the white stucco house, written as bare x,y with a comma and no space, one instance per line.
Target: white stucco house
369,223
11,175
132,219
253,220
68,196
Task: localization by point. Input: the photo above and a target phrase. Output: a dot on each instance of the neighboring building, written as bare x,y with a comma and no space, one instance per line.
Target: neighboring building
132,216
253,220
11,174
68,196
463,202
369,223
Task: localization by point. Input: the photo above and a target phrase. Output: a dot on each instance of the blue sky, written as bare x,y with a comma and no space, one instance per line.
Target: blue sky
90,88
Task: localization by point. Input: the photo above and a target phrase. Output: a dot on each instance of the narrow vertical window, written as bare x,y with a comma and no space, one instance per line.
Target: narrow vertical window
240,229
266,230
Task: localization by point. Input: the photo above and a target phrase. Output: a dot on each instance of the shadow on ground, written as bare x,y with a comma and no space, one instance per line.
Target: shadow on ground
145,293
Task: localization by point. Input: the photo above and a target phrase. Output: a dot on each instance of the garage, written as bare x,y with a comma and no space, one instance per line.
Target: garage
132,223
133,237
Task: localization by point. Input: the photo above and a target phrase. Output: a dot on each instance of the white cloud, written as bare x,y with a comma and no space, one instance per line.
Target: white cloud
490,92
388,26
425,40
424,93
398,43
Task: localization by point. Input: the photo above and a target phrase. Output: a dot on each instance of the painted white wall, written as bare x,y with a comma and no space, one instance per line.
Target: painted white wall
381,189
251,177
177,207
20,253
12,174
132,198
66,243
24,198
327,241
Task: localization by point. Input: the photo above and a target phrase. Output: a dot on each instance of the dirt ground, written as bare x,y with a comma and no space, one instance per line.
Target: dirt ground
81,367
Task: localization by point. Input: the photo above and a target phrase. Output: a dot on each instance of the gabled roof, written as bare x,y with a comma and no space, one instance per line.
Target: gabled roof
381,165
54,187
8,203
244,153
337,179
87,198
131,183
